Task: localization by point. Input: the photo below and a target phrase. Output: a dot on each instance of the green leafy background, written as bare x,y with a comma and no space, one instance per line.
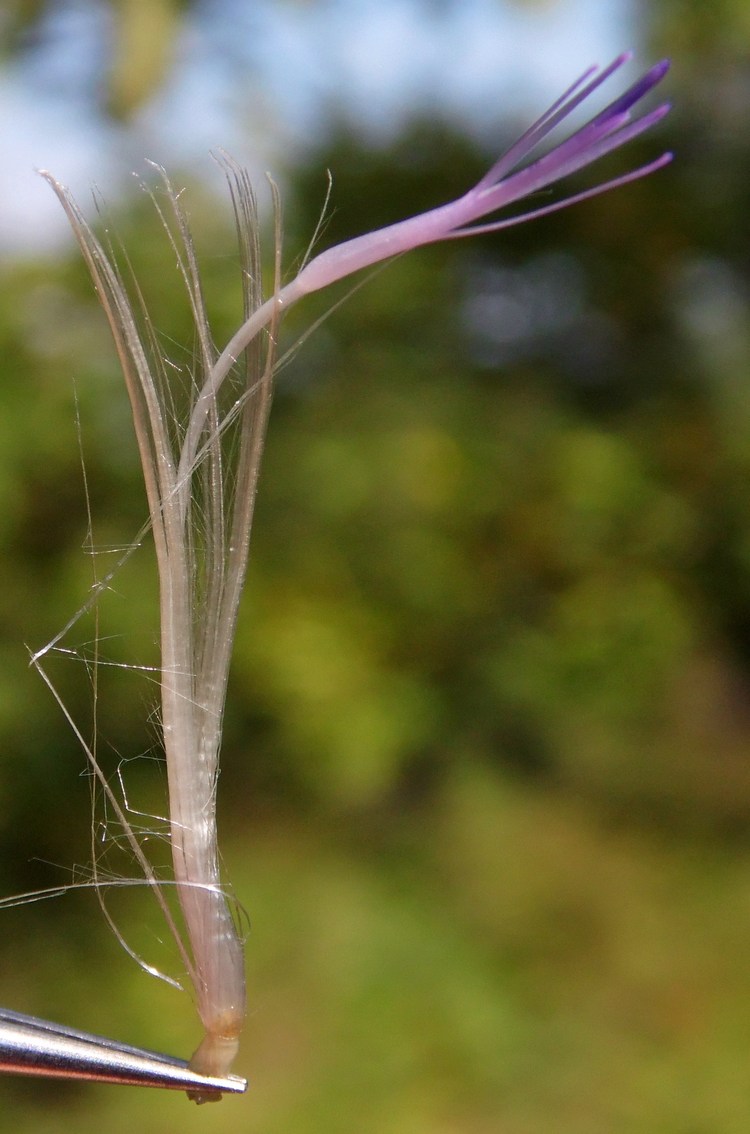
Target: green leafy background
486,786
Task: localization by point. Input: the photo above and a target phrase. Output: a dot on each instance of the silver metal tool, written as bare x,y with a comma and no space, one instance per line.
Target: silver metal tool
30,1046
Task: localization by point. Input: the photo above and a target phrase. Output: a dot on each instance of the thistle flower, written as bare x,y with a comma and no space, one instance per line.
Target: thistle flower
505,183
201,508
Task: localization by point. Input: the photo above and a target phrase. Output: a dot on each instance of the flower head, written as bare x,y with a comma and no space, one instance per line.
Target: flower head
201,504
509,180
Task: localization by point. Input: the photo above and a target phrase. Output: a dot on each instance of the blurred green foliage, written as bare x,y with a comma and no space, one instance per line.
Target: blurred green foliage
486,780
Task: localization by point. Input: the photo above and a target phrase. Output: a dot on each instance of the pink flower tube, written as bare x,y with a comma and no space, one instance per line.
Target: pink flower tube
506,183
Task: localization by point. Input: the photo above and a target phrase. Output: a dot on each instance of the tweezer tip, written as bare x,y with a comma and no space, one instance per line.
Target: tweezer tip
32,1046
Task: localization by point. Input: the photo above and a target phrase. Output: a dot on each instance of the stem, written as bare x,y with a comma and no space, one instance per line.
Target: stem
261,318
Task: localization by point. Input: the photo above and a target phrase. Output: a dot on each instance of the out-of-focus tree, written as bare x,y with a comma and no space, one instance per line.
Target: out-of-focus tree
139,42
489,705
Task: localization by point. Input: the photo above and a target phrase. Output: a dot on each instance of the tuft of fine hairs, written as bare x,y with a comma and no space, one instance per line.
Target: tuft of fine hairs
200,474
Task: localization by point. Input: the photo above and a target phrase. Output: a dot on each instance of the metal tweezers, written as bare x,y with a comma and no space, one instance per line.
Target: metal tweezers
30,1046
